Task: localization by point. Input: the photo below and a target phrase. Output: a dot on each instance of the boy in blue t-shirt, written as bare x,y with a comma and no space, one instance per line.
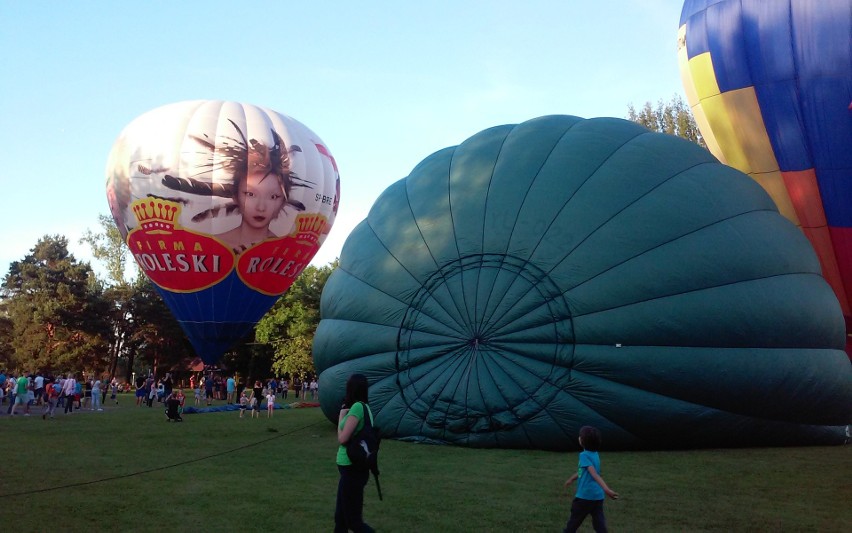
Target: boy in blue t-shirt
591,488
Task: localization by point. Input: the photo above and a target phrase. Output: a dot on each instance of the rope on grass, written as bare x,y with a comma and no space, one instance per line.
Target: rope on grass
150,470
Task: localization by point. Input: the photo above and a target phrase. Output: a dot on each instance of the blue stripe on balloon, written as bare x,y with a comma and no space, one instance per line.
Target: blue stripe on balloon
782,118
836,192
691,7
730,59
216,318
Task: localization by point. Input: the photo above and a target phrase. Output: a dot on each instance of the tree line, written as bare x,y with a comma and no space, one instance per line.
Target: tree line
58,315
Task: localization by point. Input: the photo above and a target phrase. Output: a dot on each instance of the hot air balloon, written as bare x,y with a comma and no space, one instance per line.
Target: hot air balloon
770,85
565,272
222,205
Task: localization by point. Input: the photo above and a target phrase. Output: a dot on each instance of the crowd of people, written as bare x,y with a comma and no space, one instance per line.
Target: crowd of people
210,387
26,392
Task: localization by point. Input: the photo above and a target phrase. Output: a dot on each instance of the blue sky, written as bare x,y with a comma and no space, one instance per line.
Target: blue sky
384,83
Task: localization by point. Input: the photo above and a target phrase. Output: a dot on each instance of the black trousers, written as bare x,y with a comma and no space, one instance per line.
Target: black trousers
348,512
581,508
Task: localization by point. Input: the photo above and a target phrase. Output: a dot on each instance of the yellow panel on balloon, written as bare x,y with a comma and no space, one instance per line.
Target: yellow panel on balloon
692,95
703,76
683,64
743,111
723,129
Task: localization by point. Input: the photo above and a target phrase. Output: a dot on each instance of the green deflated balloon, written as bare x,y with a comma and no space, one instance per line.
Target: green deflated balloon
565,272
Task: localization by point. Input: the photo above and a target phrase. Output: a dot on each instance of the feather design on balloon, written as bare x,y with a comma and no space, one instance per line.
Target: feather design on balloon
213,212
201,188
238,156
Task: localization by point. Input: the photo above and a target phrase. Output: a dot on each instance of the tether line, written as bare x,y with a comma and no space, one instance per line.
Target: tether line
159,468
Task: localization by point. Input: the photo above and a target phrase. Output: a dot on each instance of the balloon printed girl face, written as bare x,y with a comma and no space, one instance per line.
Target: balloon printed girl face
260,197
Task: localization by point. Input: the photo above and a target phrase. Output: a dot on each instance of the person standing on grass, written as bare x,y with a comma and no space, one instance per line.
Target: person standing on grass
243,403
53,390
152,393
196,391
273,386
96,395
78,394
591,488
231,388
256,398
38,384
208,388
140,391
2,386
349,509
21,395
11,387
270,403
87,398
69,388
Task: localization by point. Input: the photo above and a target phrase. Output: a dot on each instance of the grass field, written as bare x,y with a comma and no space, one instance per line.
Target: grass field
127,469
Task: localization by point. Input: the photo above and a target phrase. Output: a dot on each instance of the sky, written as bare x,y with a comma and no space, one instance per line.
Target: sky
383,83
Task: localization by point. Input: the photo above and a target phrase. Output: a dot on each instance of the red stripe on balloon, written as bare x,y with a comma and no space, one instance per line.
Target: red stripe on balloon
804,194
841,240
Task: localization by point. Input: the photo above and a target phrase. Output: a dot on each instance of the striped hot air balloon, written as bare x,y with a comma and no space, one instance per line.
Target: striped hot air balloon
770,85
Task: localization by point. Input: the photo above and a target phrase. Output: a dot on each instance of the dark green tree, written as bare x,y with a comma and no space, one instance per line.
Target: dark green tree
57,313
673,117
290,325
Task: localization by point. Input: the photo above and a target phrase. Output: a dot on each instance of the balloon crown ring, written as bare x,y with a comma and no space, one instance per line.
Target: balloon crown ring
153,214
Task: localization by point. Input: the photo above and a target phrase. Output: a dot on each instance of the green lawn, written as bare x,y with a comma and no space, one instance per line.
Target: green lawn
127,469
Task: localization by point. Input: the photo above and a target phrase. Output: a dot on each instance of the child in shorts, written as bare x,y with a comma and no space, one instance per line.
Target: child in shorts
254,407
243,404
270,403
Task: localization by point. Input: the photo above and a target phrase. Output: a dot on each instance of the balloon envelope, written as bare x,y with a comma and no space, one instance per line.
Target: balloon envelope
564,272
222,205
770,86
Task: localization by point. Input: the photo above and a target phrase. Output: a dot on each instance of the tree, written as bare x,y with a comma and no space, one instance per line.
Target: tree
57,313
290,325
108,246
673,117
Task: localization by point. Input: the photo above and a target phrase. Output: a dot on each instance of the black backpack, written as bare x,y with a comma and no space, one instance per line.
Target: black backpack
363,447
